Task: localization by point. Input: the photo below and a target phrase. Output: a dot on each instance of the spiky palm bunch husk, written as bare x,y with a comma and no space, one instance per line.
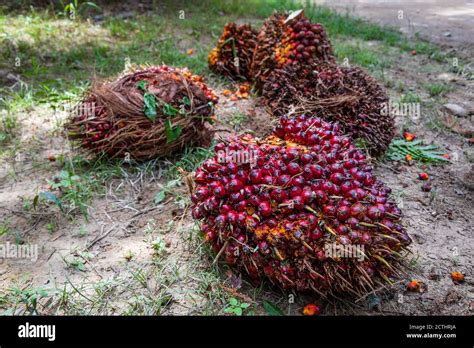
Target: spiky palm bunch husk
289,39
301,208
345,94
233,55
147,113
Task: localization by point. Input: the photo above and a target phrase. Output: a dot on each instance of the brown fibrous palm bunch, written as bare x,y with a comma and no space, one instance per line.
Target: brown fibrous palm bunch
146,113
233,55
347,95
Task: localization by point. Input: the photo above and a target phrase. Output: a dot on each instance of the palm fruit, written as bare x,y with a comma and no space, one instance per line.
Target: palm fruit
347,95
278,208
233,55
289,40
144,114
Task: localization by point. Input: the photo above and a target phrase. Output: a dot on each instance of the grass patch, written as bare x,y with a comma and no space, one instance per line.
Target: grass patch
78,182
437,89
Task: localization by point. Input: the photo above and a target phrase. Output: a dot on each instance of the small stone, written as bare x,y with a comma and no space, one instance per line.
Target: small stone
447,34
456,109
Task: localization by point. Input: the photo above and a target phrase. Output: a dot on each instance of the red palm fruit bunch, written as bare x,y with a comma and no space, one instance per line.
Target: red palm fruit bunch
280,207
233,55
347,95
289,40
144,114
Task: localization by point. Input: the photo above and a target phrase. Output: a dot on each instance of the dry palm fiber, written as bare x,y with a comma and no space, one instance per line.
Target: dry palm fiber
233,55
144,114
344,94
289,39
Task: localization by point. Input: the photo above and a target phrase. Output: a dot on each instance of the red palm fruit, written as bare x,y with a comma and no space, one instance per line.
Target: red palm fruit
329,210
293,168
358,210
374,213
255,176
235,185
295,191
279,195
283,180
343,213
265,209
298,202
308,195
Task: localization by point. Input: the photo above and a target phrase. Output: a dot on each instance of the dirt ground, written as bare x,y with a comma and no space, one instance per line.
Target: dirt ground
447,23
110,263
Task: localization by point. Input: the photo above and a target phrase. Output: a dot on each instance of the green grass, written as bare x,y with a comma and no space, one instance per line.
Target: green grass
410,97
437,89
358,54
78,182
56,51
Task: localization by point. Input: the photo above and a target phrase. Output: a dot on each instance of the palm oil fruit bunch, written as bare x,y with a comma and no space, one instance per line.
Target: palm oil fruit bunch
347,95
303,43
301,208
146,113
289,40
233,55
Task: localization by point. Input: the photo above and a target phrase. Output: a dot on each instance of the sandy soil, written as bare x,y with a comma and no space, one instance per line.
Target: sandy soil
449,23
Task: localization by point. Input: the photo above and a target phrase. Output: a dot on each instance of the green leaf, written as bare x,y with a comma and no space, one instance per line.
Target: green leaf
272,309
159,197
244,305
233,301
229,310
142,85
150,106
172,133
64,174
238,311
91,4
186,101
35,201
51,197
169,110
42,292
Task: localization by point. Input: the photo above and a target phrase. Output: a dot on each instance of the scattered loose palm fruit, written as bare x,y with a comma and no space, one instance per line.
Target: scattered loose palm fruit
409,136
414,286
457,277
423,176
426,187
272,207
311,309
408,158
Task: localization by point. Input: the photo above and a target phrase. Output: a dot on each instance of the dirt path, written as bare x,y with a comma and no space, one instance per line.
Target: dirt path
449,23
